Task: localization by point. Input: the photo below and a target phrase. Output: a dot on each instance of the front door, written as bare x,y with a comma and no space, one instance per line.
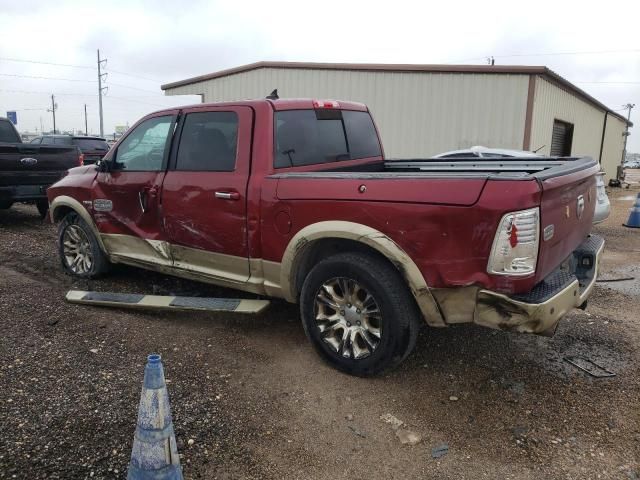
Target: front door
126,197
204,194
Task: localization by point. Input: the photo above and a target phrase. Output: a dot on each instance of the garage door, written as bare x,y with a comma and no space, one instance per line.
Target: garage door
561,139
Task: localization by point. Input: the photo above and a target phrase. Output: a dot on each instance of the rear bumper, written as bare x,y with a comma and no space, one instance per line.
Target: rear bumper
21,193
540,310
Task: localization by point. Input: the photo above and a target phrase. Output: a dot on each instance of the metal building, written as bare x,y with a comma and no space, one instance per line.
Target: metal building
423,110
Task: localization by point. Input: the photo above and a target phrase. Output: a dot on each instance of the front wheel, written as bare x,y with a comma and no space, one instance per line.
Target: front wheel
80,253
359,313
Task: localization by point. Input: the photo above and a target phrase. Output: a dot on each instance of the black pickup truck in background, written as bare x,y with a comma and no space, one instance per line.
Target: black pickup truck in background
27,170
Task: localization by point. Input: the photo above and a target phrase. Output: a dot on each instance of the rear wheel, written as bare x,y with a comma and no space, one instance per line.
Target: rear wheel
80,253
359,314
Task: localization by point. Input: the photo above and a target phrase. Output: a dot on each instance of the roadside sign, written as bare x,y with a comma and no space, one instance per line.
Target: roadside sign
13,117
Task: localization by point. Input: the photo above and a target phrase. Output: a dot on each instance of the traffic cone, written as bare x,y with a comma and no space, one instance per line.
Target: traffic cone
634,215
154,455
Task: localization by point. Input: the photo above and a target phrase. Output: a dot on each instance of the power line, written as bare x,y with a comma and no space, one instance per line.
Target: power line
134,88
119,97
45,78
47,93
612,83
37,62
44,63
551,54
135,76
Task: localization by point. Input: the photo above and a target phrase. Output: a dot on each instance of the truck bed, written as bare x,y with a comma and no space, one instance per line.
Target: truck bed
540,168
433,192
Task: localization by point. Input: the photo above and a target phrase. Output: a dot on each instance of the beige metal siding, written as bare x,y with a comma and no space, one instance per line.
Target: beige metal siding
613,146
552,102
418,114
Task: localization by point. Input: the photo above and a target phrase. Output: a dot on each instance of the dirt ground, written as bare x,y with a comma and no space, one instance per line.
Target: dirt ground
258,403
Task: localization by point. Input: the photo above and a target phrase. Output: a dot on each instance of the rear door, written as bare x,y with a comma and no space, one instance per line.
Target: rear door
204,194
126,198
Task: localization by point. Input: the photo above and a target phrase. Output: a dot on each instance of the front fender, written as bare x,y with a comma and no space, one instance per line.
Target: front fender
63,202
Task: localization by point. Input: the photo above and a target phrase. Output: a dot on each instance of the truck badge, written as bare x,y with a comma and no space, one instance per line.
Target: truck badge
102,205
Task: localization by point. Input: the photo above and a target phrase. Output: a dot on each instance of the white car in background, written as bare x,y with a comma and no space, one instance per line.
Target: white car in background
603,206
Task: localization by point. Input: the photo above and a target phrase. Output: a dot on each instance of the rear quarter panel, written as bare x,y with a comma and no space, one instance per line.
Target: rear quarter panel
450,243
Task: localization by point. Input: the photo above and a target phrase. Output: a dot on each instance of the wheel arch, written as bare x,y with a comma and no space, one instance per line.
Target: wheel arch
319,239
63,205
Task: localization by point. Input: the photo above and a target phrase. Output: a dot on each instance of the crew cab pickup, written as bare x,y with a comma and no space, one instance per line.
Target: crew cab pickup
26,171
294,199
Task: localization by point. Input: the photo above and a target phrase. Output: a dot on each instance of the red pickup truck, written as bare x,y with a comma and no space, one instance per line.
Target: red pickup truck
294,199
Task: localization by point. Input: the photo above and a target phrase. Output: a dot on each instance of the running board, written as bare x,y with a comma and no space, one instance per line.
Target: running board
161,302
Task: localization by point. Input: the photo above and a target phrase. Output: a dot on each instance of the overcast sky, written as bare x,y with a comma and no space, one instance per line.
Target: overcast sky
148,43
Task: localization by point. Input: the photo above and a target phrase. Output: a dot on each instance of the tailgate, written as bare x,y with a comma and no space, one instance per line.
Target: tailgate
26,164
567,207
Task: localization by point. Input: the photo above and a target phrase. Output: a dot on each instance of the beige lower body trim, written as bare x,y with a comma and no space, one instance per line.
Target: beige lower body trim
251,275
137,249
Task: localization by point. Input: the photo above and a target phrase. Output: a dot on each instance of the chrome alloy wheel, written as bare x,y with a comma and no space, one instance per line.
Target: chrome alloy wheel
348,318
77,250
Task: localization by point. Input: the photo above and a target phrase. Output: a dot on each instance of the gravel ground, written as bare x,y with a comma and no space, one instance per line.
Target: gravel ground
258,402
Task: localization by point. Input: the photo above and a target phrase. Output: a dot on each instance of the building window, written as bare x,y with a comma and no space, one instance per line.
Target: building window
561,139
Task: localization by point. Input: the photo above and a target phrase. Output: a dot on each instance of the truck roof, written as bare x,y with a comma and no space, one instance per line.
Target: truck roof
280,104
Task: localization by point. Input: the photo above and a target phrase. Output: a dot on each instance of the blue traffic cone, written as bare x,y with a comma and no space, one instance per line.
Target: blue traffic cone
154,455
634,215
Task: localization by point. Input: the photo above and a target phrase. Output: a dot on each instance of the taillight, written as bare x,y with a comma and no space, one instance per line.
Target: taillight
515,246
325,104
81,159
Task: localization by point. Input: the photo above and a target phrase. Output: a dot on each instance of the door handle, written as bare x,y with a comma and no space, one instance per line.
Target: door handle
228,195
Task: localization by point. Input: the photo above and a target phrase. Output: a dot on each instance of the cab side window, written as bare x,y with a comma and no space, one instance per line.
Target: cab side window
208,142
143,150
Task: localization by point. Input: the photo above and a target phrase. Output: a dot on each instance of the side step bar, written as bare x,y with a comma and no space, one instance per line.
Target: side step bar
161,302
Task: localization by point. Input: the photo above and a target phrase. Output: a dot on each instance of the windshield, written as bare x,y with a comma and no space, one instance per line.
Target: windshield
8,133
91,144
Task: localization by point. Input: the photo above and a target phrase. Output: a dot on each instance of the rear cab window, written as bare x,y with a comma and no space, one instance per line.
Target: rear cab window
317,136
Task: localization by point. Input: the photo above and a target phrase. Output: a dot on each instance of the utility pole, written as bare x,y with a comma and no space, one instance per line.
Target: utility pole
629,107
101,89
86,128
54,107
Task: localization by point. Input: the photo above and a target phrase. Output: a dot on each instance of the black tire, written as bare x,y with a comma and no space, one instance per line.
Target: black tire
43,207
99,262
400,318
